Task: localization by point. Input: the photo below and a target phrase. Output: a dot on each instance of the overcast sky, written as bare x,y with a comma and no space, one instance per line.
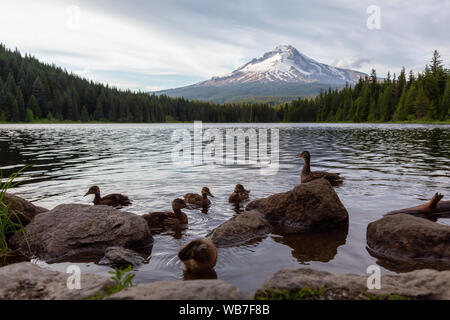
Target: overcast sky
153,44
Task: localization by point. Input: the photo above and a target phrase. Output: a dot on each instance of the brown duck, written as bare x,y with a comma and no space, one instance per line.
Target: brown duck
199,200
308,176
113,200
432,210
198,255
239,195
162,220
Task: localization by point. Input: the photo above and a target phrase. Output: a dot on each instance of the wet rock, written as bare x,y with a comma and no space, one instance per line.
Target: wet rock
25,281
406,238
74,231
419,284
118,257
181,290
240,229
308,206
23,209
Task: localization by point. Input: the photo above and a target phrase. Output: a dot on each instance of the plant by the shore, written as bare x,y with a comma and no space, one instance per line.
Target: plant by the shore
123,279
307,293
10,221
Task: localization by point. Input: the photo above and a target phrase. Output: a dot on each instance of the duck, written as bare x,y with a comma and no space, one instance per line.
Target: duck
197,200
198,255
163,220
113,200
431,210
307,175
239,195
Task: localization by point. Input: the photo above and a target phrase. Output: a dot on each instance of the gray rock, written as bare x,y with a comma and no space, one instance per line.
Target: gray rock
240,229
410,239
308,206
419,284
22,209
25,281
118,257
181,290
75,231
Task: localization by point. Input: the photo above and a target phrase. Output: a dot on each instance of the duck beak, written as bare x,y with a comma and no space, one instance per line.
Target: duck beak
86,194
211,195
299,156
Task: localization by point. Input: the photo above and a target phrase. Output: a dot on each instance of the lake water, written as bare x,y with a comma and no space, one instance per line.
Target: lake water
386,167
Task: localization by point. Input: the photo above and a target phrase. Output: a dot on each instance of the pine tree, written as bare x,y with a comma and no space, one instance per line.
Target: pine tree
33,105
422,104
445,104
29,117
84,116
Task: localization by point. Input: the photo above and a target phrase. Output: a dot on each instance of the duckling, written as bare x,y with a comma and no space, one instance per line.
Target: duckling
113,200
199,200
162,220
308,176
239,195
198,255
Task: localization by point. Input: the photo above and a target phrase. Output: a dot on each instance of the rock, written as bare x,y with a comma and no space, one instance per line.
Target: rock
419,284
118,257
181,290
406,238
23,209
308,206
240,229
75,231
25,281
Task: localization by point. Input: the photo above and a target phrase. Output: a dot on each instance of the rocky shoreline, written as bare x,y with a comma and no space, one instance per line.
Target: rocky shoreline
101,234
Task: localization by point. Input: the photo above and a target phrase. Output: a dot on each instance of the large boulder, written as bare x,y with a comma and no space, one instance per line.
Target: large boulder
23,210
118,257
308,206
74,231
181,290
419,284
240,229
406,238
25,281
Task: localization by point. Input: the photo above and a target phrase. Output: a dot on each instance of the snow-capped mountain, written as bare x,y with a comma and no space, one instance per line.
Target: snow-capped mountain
285,64
281,72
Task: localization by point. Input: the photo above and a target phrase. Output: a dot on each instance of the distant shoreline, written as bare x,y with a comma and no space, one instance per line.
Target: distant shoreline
446,122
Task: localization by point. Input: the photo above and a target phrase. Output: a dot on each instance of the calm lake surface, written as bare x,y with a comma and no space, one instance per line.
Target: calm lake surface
386,167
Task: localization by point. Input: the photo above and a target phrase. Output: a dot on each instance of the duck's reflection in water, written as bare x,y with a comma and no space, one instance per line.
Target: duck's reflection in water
200,275
313,246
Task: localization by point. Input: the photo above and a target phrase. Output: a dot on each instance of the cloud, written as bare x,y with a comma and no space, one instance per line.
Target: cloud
355,63
141,44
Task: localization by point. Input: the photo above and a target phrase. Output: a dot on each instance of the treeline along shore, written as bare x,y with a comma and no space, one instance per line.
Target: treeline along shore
32,91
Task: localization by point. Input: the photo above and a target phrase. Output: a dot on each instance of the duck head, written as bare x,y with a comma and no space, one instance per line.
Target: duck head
206,192
305,155
93,190
240,189
178,204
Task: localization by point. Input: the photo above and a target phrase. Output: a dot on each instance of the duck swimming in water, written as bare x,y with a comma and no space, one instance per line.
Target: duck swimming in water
200,201
163,220
239,195
113,200
198,255
308,176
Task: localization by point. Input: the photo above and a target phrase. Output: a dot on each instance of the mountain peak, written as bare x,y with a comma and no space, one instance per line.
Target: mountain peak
286,64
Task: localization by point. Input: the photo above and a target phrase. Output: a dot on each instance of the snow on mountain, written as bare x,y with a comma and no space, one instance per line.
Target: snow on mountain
285,64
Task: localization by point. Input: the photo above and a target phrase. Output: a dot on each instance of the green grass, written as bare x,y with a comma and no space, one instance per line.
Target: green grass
123,279
307,293
10,221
